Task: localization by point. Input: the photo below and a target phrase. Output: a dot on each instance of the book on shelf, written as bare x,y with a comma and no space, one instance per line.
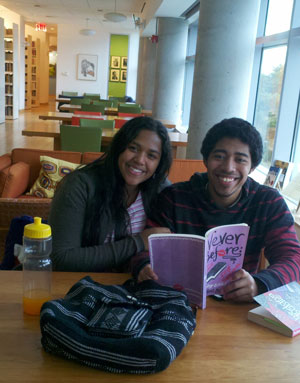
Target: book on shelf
279,309
286,172
199,265
273,176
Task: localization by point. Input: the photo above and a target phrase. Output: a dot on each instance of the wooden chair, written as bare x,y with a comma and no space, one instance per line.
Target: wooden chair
103,124
93,108
182,169
80,139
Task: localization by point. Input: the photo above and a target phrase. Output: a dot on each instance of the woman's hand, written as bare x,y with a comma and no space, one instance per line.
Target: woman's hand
242,287
154,230
147,273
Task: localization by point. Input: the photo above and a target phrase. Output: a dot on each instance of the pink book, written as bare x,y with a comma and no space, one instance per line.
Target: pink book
198,265
279,310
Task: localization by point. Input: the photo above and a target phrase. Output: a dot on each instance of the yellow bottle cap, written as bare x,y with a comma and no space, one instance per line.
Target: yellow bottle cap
37,229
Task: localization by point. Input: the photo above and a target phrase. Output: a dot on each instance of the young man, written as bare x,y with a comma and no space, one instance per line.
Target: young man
226,195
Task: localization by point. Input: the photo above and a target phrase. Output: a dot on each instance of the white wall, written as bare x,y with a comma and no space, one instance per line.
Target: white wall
70,43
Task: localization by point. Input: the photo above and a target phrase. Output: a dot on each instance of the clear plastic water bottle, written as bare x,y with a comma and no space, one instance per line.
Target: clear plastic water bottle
37,267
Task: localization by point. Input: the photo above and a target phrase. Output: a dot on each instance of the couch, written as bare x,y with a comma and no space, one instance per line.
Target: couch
20,169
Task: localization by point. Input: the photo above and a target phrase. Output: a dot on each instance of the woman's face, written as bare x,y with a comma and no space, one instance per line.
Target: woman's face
140,159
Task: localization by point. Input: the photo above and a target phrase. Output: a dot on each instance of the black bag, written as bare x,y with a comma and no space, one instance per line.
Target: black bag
131,328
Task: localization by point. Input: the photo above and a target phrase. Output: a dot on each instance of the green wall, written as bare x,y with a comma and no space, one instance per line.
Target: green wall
118,48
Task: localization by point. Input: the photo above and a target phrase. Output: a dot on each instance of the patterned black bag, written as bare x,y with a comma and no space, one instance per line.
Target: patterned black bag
131,328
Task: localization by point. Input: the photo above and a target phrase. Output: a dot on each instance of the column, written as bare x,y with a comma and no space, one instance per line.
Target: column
223,65
146,72
170,65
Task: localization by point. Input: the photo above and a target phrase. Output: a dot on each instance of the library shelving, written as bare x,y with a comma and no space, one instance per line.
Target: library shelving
11,72
2,74
35,73
28,71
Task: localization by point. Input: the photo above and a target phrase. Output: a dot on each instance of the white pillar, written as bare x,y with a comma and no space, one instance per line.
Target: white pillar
170,65
223,66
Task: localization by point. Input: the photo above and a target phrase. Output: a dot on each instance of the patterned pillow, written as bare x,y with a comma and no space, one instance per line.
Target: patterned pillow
52,172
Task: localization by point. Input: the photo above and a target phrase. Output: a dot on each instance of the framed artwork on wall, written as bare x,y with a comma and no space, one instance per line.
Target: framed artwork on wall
123,75
114,75
124,63
115,62
87,67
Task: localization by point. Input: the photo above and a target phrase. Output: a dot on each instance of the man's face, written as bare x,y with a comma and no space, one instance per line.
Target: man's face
228,166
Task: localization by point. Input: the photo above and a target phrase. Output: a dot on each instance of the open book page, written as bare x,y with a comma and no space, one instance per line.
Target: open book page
179,262
225,249
284,304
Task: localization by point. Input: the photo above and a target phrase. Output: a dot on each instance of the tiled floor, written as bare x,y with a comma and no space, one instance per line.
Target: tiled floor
11,130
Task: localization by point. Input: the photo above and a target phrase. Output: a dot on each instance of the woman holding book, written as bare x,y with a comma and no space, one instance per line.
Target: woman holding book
98,213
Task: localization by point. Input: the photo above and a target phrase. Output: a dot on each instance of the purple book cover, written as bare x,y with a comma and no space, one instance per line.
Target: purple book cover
284,304
225,249
179,261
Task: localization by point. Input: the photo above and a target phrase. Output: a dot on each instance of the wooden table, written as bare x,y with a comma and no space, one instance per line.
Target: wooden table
178,140
225,347
108,110
66,117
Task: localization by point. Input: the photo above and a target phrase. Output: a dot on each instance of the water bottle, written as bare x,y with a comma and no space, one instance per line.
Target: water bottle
37,267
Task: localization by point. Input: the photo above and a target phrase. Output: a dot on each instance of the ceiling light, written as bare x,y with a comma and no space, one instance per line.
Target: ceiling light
115,17
87,31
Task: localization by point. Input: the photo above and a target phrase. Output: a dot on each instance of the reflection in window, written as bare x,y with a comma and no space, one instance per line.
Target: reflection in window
279,16
268,97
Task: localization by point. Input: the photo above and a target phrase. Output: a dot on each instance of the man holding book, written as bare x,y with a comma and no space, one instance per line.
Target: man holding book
226,194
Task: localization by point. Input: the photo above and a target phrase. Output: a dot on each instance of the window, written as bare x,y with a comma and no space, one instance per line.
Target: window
279,16
268,97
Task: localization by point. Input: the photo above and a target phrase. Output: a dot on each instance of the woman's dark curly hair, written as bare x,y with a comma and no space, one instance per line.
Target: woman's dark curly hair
234,128
110,203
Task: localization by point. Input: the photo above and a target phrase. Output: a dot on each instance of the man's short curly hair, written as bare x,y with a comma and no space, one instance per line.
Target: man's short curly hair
234,128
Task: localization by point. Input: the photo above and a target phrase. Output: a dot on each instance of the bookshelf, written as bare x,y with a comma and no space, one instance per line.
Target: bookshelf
2,74
11,72
35,73
28,71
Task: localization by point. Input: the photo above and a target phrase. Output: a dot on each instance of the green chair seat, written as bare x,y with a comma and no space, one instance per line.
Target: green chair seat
104,124
80,139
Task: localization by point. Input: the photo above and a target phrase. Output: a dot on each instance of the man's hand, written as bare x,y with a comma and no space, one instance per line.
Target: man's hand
147,273
242,287
154,230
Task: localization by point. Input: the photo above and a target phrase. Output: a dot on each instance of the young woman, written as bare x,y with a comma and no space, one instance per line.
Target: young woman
98,213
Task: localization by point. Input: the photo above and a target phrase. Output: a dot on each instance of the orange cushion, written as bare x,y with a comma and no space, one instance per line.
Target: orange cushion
14,180
32,158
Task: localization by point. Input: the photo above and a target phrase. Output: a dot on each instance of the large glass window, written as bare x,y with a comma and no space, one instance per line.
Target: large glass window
268,97
279,16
